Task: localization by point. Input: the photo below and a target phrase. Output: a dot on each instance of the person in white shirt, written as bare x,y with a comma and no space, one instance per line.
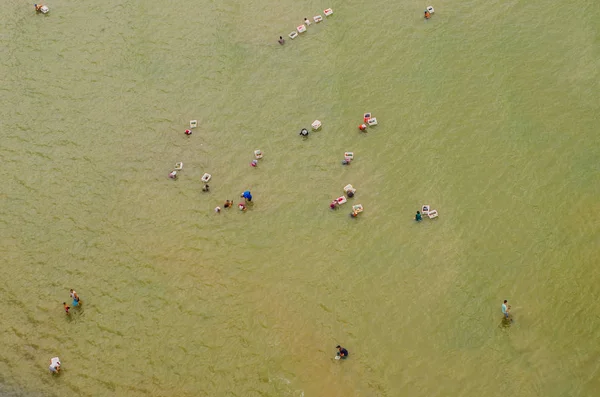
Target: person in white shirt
54,365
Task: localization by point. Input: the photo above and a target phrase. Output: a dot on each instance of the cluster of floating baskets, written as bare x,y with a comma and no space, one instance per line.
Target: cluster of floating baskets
368,120
179,165
349,191
426,210
316,19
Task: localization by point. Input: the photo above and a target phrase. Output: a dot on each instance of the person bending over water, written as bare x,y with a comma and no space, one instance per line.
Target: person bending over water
427,14
54,365
281,40
343,353
247,195
228,204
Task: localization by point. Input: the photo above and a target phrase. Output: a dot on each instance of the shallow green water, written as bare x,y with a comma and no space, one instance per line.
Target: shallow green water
488,112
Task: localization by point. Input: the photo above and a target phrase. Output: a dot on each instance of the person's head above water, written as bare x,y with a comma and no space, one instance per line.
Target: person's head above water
342,353
505,301
350,193
247,195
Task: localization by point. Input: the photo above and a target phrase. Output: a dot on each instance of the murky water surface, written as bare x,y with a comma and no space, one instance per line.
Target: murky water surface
488,112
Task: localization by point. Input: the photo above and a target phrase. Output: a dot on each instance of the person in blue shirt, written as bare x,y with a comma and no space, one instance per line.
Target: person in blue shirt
74,296
505,309
247,195
418,216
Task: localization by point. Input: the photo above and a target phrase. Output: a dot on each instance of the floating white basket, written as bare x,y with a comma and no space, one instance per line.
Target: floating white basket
349,188
358,208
